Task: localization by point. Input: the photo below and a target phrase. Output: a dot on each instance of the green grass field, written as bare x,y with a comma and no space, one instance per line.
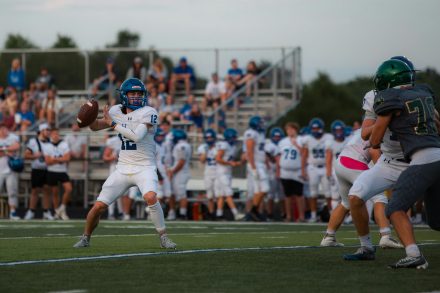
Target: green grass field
211,257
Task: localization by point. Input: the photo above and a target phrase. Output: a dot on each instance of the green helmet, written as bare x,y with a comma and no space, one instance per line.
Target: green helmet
392,73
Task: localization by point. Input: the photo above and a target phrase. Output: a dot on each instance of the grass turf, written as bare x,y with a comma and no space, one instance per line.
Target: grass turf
287,270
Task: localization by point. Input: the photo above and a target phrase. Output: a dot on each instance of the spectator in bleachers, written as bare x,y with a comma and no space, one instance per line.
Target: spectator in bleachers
9,145
77,143
185,110
16,75
168,108
158,73
34,152
44,79
220,115
8,119
11,102
235,74
196,117
183,74
57,156
108,79
25,117
137,70
51,107
252,71
155,100
215,91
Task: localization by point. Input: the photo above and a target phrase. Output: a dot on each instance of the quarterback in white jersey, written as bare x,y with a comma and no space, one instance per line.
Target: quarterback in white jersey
179,172
254,141
207,153
313,163
289,166
9,145
333,148
352,161
225,157
136,124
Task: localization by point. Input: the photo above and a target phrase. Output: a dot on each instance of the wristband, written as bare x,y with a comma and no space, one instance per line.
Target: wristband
113,125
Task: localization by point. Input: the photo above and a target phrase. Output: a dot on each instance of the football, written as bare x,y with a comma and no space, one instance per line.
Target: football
87,113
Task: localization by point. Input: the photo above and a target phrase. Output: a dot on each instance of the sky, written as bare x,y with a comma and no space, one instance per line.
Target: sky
343,38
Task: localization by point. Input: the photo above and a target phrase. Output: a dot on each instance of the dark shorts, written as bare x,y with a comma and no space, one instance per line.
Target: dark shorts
210,102
292,187
53,178
38,178
415,183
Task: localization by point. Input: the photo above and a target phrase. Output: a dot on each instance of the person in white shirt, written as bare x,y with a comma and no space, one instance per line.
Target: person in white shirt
136,124
225,157
207,153
34,152
215,91
273,155
179,172
333,148
289,169
77,143
313,163
57,155
254,141
9,145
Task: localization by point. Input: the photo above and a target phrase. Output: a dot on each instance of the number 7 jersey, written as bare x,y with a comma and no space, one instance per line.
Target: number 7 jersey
133,157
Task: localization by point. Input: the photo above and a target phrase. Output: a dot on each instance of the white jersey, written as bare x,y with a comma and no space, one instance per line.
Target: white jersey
355,148
133,157
335,146
259,142
38,163
182,151
168,145
230,152
114,143
290,158
160,158
57,150
210,162
390,146
272,150
316,148
6,142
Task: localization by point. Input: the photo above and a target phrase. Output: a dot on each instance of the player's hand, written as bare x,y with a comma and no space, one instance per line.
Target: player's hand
304,176
107,119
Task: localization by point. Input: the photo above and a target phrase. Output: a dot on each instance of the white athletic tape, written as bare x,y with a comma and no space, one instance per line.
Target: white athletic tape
89,104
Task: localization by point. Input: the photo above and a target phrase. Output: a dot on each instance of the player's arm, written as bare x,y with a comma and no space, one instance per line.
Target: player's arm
277,164
108,156
178,167
50,160
250,143
99,124
374,154
367,128
379,129
328,162
219,158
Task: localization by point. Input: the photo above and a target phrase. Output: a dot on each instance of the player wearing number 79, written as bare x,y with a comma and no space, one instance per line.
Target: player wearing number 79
136,124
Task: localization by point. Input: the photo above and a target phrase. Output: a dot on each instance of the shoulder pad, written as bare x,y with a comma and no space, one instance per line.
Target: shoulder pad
387,101
368,101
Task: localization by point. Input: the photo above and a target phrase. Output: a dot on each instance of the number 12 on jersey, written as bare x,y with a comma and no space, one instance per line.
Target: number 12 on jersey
127,145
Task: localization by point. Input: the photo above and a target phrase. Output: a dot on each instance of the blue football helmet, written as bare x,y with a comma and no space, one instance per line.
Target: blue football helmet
338,129
159,137
178,134
210,136
230,135
304,131
133,85
348,130
276,134
316,127
256,123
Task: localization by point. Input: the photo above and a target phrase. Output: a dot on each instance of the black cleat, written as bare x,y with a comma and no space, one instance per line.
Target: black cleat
410,262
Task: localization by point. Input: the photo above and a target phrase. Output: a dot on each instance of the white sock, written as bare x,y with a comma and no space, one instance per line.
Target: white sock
366,241
219,213
234,211
313,215
412,250
157,217
385,232
62,207
330,232
182,211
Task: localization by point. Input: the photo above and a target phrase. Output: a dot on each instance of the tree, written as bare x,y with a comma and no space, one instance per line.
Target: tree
17,41
125,39
64,41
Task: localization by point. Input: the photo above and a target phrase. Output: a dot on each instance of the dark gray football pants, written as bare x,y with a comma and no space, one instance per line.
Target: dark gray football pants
415,183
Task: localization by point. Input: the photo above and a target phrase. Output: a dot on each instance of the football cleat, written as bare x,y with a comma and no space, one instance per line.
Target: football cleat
61,214
363,253
389,242
29,215
48,216
166,242
13,216
84,241
126,217
171,215
410,262
330,241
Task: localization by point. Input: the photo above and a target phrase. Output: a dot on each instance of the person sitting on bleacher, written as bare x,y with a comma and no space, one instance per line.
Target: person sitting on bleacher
51,107
183,74
235,74
34,152
157,74
137,70
215,91
9,145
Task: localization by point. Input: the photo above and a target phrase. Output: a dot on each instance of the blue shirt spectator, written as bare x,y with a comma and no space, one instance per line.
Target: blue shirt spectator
16,78
183,74
185,111
196,117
